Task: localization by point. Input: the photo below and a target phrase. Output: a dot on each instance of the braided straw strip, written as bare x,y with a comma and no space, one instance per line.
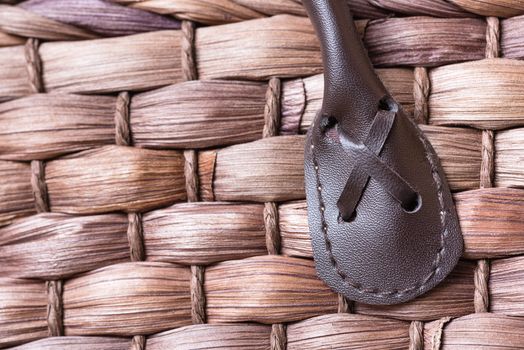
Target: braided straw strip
278,338
189,67
190,72
436,339
482,271
122,127
416,335
421,92
135,237
38,184
138,342
34,66
198,297
55,308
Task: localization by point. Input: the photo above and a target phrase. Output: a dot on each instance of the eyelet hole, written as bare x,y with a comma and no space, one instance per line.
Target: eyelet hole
387,103
328,122
342,220
328,127
413,206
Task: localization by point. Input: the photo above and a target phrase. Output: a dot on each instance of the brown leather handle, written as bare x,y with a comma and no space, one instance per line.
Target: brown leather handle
381,217
348,72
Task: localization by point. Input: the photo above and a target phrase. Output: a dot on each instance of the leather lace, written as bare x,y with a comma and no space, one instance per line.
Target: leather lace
369,164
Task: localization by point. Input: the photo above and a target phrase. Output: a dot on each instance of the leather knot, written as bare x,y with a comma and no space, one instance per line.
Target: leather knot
369,164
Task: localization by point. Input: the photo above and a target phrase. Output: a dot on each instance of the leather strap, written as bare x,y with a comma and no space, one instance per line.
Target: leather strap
348,71
349,68
367,162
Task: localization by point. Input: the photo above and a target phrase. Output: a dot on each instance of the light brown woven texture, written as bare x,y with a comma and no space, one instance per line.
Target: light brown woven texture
152,190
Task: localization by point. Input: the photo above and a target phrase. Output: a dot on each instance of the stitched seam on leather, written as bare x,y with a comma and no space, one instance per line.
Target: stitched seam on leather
443,217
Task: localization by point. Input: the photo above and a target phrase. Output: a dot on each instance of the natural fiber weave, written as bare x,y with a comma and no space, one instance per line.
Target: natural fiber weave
151,173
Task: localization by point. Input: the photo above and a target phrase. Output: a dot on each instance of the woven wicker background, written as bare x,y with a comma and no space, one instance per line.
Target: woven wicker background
151,173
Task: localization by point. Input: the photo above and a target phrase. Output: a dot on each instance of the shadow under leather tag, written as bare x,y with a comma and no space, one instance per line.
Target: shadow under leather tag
383,224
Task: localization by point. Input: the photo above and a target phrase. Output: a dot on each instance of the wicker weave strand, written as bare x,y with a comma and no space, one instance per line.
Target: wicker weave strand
278,338
436,340
54,288
39,186
271,226
34,71
416,335
345,306
189,68
272,108
122,127
189,72
34,65
481,298
135,237
482,271
137,253
198,300
271,127
138,343
54,308
487,166
191,175
492,37
421,94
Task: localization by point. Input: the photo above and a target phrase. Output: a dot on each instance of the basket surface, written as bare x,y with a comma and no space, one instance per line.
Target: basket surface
151,173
